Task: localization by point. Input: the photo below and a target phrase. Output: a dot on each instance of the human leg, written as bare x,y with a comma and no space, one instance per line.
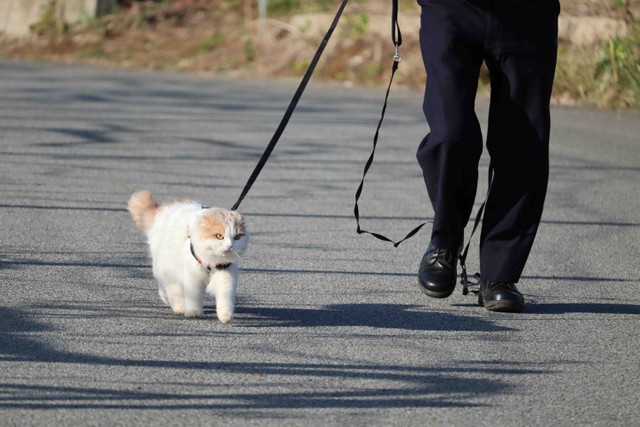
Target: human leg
449,154
450,37
522,67
521,64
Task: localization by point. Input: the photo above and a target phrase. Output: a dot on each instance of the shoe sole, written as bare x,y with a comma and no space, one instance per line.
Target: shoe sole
433,294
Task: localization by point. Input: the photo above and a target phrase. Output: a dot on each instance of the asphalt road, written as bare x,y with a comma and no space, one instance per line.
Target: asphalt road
330,329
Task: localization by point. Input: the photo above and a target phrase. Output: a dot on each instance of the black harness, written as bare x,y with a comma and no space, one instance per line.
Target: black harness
221,266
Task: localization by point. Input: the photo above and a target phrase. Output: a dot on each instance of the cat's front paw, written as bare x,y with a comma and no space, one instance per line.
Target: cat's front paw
224,317
193,313
178,308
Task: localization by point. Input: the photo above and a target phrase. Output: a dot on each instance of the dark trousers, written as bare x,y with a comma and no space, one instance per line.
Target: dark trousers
517,39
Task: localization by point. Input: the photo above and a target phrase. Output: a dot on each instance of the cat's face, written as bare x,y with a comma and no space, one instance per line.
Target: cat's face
222,232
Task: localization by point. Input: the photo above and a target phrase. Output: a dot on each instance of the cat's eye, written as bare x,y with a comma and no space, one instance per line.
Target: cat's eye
220,236
238,236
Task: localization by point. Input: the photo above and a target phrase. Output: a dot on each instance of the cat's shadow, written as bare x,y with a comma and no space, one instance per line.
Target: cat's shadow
379,316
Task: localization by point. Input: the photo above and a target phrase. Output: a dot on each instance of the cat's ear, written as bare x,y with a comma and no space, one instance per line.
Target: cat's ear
239,221
195,221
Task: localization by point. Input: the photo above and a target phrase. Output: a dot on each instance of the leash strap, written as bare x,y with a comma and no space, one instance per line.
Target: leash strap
356,210
464,278
291,108
396,37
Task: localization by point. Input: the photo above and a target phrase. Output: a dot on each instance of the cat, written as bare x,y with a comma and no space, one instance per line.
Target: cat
194,250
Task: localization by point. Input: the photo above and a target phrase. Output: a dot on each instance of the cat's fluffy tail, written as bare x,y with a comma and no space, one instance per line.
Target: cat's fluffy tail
143,207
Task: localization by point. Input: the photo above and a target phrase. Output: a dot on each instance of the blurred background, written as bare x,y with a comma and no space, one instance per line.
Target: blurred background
598,62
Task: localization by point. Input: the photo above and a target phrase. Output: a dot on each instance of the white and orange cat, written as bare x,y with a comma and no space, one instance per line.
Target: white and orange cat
194,250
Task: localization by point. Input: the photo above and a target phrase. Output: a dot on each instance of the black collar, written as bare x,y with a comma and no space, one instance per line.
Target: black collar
221,266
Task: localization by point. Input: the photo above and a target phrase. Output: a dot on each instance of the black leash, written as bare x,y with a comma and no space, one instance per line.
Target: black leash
291,108
356,210
464,277
396,37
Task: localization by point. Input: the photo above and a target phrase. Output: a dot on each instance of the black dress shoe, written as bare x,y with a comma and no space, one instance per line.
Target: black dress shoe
437,275
498,296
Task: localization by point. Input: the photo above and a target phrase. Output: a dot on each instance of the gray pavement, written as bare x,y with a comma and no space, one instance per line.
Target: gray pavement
330,329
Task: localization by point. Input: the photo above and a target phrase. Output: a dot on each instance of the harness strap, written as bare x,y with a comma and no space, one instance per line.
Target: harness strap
220,266
291,108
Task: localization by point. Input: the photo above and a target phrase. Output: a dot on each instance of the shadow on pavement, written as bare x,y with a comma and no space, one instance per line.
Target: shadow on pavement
379,316
257,385
594,308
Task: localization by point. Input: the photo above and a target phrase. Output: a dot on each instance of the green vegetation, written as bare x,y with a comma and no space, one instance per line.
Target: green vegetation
147,12
606,76
284,8
618,69
97,52
249,50
209,44
357,24
49,22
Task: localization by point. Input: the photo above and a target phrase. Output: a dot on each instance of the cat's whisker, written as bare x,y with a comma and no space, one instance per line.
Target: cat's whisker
237,256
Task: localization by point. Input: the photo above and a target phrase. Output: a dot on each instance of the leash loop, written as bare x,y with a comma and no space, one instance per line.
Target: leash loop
396,34
291,107
396,37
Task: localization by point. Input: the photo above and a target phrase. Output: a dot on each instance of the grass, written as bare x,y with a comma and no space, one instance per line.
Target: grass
285,8
209,44
618,70
96,53
49,23
606,76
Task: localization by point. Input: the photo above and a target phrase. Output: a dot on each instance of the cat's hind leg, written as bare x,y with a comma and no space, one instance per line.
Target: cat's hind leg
193,296
163,295
169,289
175,297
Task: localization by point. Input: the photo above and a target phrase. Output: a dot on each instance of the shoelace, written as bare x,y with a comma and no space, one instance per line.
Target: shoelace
443,256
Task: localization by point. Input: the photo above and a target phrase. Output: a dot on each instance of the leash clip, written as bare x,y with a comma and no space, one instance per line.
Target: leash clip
397,57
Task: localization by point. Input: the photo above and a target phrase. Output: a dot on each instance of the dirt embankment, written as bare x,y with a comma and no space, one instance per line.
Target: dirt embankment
226,37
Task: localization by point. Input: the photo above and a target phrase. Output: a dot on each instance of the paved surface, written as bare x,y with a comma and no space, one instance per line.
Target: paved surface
331,329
